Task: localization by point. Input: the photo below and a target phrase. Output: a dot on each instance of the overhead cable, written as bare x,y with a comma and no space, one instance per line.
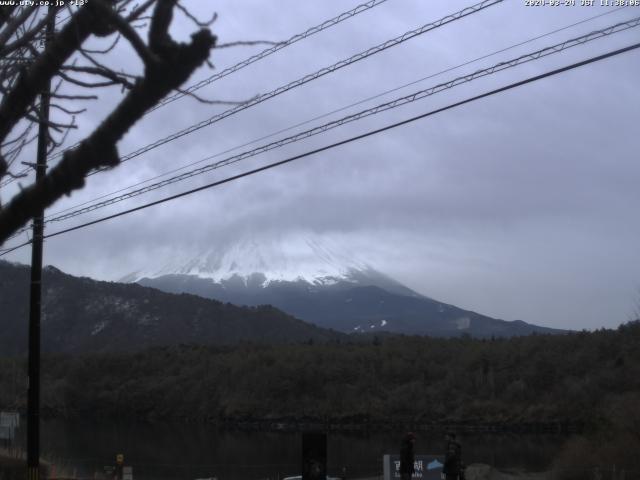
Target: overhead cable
306,79
324,115
310,77
421,94
342,142
240,65
259,56
271,50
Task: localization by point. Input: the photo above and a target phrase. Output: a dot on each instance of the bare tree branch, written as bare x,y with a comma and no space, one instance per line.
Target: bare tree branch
16,176
176,62
106,50
29,36
58,127
128,32
197,22
57,143
137,13
15,23
159,39
19,137
82,83
74,97
212,102
100,66
5,13
66,110
31,82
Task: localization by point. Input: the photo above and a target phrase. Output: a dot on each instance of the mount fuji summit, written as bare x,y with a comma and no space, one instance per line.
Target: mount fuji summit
318,282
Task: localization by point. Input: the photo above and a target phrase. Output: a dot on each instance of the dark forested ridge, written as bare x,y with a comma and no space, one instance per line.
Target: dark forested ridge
189,358
82,315
571,380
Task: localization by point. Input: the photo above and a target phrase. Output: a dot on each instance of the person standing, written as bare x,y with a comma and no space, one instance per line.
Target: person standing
452,468
407,456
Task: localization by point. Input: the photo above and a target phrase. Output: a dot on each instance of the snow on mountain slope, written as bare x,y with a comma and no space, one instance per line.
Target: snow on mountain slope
318,281
293,258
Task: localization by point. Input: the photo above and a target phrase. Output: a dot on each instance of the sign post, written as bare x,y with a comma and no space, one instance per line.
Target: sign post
119,466
314,456
9,422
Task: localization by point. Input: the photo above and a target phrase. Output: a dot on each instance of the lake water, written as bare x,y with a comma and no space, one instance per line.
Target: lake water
190,451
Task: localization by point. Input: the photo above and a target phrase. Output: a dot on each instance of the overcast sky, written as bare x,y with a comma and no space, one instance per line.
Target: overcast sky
518,206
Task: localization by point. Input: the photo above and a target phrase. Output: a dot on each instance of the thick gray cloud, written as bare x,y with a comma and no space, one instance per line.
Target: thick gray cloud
521,205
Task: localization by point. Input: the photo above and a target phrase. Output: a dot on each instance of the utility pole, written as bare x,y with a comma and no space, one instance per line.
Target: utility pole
33,396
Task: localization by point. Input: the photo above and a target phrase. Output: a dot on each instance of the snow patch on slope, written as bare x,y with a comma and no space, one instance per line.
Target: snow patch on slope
463,323
98,327
294,258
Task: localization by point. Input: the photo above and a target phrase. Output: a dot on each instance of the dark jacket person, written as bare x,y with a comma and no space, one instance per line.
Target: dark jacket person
407,457
452,458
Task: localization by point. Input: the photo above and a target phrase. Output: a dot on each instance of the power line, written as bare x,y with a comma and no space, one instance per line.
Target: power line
240,65
354,117
346,141
302,81
359,115
269,51
6,251
324,115
265,53
310,77
306,79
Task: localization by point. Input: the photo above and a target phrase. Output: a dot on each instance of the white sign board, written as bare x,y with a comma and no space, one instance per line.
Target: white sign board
6,433
127,473
426,467
10,419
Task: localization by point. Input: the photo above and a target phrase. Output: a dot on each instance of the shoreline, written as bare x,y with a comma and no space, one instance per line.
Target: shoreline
331,426
353,424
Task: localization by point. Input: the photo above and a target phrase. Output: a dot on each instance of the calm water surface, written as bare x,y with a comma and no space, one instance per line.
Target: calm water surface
190,451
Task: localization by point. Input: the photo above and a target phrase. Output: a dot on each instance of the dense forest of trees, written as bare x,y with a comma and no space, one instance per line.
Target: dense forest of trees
572,380
585,380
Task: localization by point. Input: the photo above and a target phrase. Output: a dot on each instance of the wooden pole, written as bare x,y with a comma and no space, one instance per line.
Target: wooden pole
33,395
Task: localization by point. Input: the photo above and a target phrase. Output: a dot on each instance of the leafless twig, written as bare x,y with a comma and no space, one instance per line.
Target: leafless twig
168,65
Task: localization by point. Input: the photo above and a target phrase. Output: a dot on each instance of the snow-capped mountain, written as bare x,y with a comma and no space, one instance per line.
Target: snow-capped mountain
318,281
259,263
299,258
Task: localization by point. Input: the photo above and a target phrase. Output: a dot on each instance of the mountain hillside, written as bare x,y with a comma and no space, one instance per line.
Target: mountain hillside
84,315
320,284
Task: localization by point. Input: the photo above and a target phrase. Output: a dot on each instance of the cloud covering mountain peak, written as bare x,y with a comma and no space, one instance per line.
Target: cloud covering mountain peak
298,257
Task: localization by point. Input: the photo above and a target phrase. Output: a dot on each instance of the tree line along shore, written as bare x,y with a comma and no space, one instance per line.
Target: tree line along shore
587,382
562,381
